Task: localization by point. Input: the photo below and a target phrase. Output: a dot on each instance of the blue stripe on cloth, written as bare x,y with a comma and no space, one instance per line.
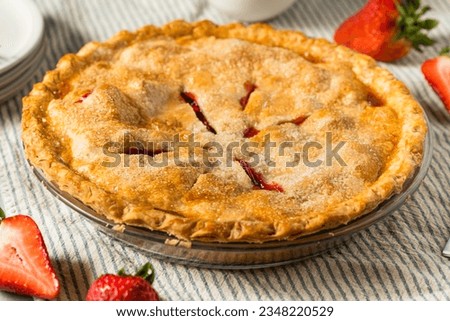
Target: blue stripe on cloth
304,291
347,276
317,268
333,279
363,267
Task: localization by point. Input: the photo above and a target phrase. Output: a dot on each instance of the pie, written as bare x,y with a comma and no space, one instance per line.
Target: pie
224,133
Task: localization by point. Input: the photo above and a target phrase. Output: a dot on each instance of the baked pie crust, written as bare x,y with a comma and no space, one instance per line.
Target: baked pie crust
221,85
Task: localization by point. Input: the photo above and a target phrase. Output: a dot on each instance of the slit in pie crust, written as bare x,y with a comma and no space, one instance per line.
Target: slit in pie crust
107,124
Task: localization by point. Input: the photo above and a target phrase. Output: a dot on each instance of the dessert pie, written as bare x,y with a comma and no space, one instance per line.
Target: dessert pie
223,133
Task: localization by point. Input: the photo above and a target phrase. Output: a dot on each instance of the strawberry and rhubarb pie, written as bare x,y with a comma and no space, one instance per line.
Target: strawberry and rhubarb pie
225,133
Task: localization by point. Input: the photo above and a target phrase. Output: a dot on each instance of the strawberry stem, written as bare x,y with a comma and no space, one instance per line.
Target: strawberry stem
143,272
2,214
147,272
410,24
445,51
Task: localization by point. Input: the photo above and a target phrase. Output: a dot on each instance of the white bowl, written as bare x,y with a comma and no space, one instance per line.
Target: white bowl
252,10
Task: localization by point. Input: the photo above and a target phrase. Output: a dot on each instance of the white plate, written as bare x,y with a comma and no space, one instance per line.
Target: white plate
17,71
21,31
21,80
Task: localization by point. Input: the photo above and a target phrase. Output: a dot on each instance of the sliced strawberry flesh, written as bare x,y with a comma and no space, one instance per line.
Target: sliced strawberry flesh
83,97
250,88
250,132
190,99
437,73
258,179
24,264
142,151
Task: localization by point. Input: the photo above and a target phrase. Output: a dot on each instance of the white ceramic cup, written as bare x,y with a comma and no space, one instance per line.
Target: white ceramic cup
252,10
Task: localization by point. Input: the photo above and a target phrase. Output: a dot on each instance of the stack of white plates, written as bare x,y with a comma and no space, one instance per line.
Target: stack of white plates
22,44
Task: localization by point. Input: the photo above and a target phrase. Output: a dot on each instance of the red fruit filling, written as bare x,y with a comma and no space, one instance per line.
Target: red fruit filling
190,99
83,97
297,121
258,179
250,132
250,88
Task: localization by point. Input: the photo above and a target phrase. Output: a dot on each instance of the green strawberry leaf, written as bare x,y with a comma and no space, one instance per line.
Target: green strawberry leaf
147,272
445,51
424,10
411,26
428,24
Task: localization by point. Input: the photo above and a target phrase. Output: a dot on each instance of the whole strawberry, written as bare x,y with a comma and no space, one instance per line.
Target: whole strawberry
25,267
387,29
122,287
437,73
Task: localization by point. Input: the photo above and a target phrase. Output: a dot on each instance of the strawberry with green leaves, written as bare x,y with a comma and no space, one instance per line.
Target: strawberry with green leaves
123,287
25,267
437,73
387,29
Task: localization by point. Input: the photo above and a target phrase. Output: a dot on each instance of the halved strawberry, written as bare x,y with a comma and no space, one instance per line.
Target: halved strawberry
122,287
25,267
387,29
437,73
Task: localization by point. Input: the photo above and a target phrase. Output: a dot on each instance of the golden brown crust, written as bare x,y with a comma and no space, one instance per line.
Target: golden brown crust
384,144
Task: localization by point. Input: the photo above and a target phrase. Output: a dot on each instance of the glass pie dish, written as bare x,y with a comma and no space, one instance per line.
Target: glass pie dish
242,255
